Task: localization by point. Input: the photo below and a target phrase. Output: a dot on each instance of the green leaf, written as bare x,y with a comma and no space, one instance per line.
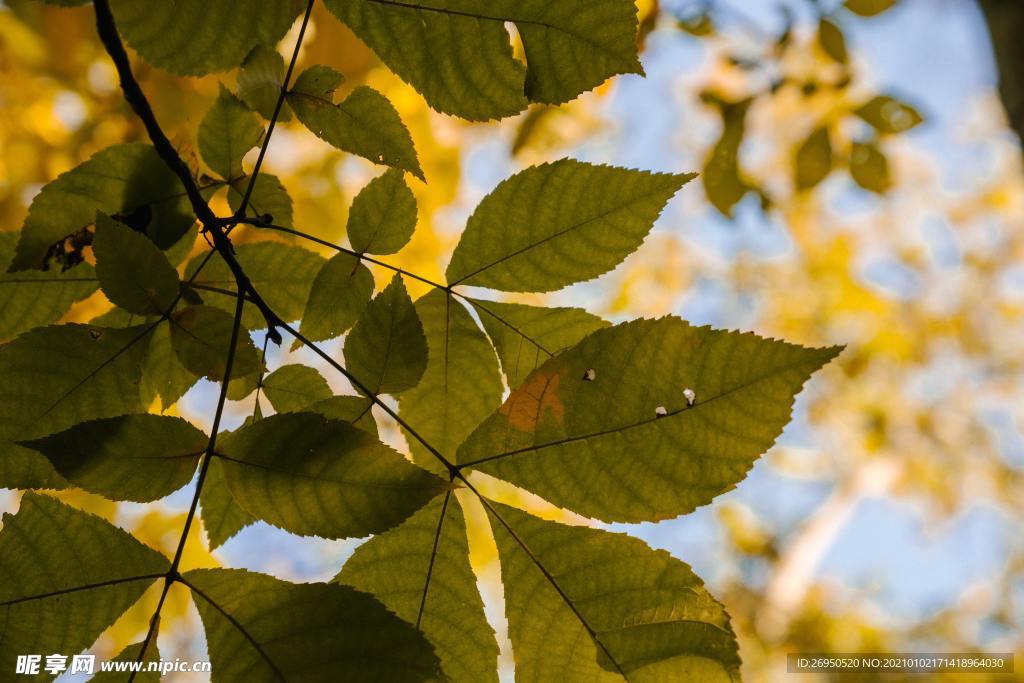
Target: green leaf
227,133
354,409
128,180
456,53
292,388
420,570
339,295
269,198
282,273
889,115
23,468
61,375
868,8
133,273
201,337
383,215
196,37
606,607
461,385
138,457
723,182
365,123
627,445
221,515
832,41
264,630
318,477
559,223
31,298
526,336
163,374
813,159
131,654
870,168
386,350
65,576
260,80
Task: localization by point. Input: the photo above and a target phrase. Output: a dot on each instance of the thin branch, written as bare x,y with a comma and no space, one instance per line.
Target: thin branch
172,573
371,395
433,556
236,624
277,113
547,575
136,98
76,589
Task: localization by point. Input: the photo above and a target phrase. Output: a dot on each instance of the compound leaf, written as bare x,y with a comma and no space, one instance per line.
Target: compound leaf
60,587
456,53
386,350
461,385
227,133
383,215
139,457
526,336
606,607
291,388
339,295
697,406
559,223
365,123
133,273
420,570
264,630
196,37
311,475
129,181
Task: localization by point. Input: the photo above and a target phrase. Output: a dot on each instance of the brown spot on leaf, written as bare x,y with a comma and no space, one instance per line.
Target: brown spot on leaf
536,400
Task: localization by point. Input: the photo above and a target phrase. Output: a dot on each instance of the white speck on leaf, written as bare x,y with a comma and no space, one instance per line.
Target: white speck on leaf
590,375
660,411
691,396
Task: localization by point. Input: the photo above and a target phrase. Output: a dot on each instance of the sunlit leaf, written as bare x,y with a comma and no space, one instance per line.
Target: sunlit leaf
163,374
197,37
526,336
365,123
65,576
421,571
319,477
625,443
339,295
222,517
383,215
131,654
264,630
137,457
461,385
133,273
269,198
456,53
227,133
201,337
723,182
386,350
555,224
291,388
832,41
127,180
606,607
260,80
868,8
61,375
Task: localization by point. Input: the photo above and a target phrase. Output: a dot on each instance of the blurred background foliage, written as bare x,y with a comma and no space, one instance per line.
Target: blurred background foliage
860,186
